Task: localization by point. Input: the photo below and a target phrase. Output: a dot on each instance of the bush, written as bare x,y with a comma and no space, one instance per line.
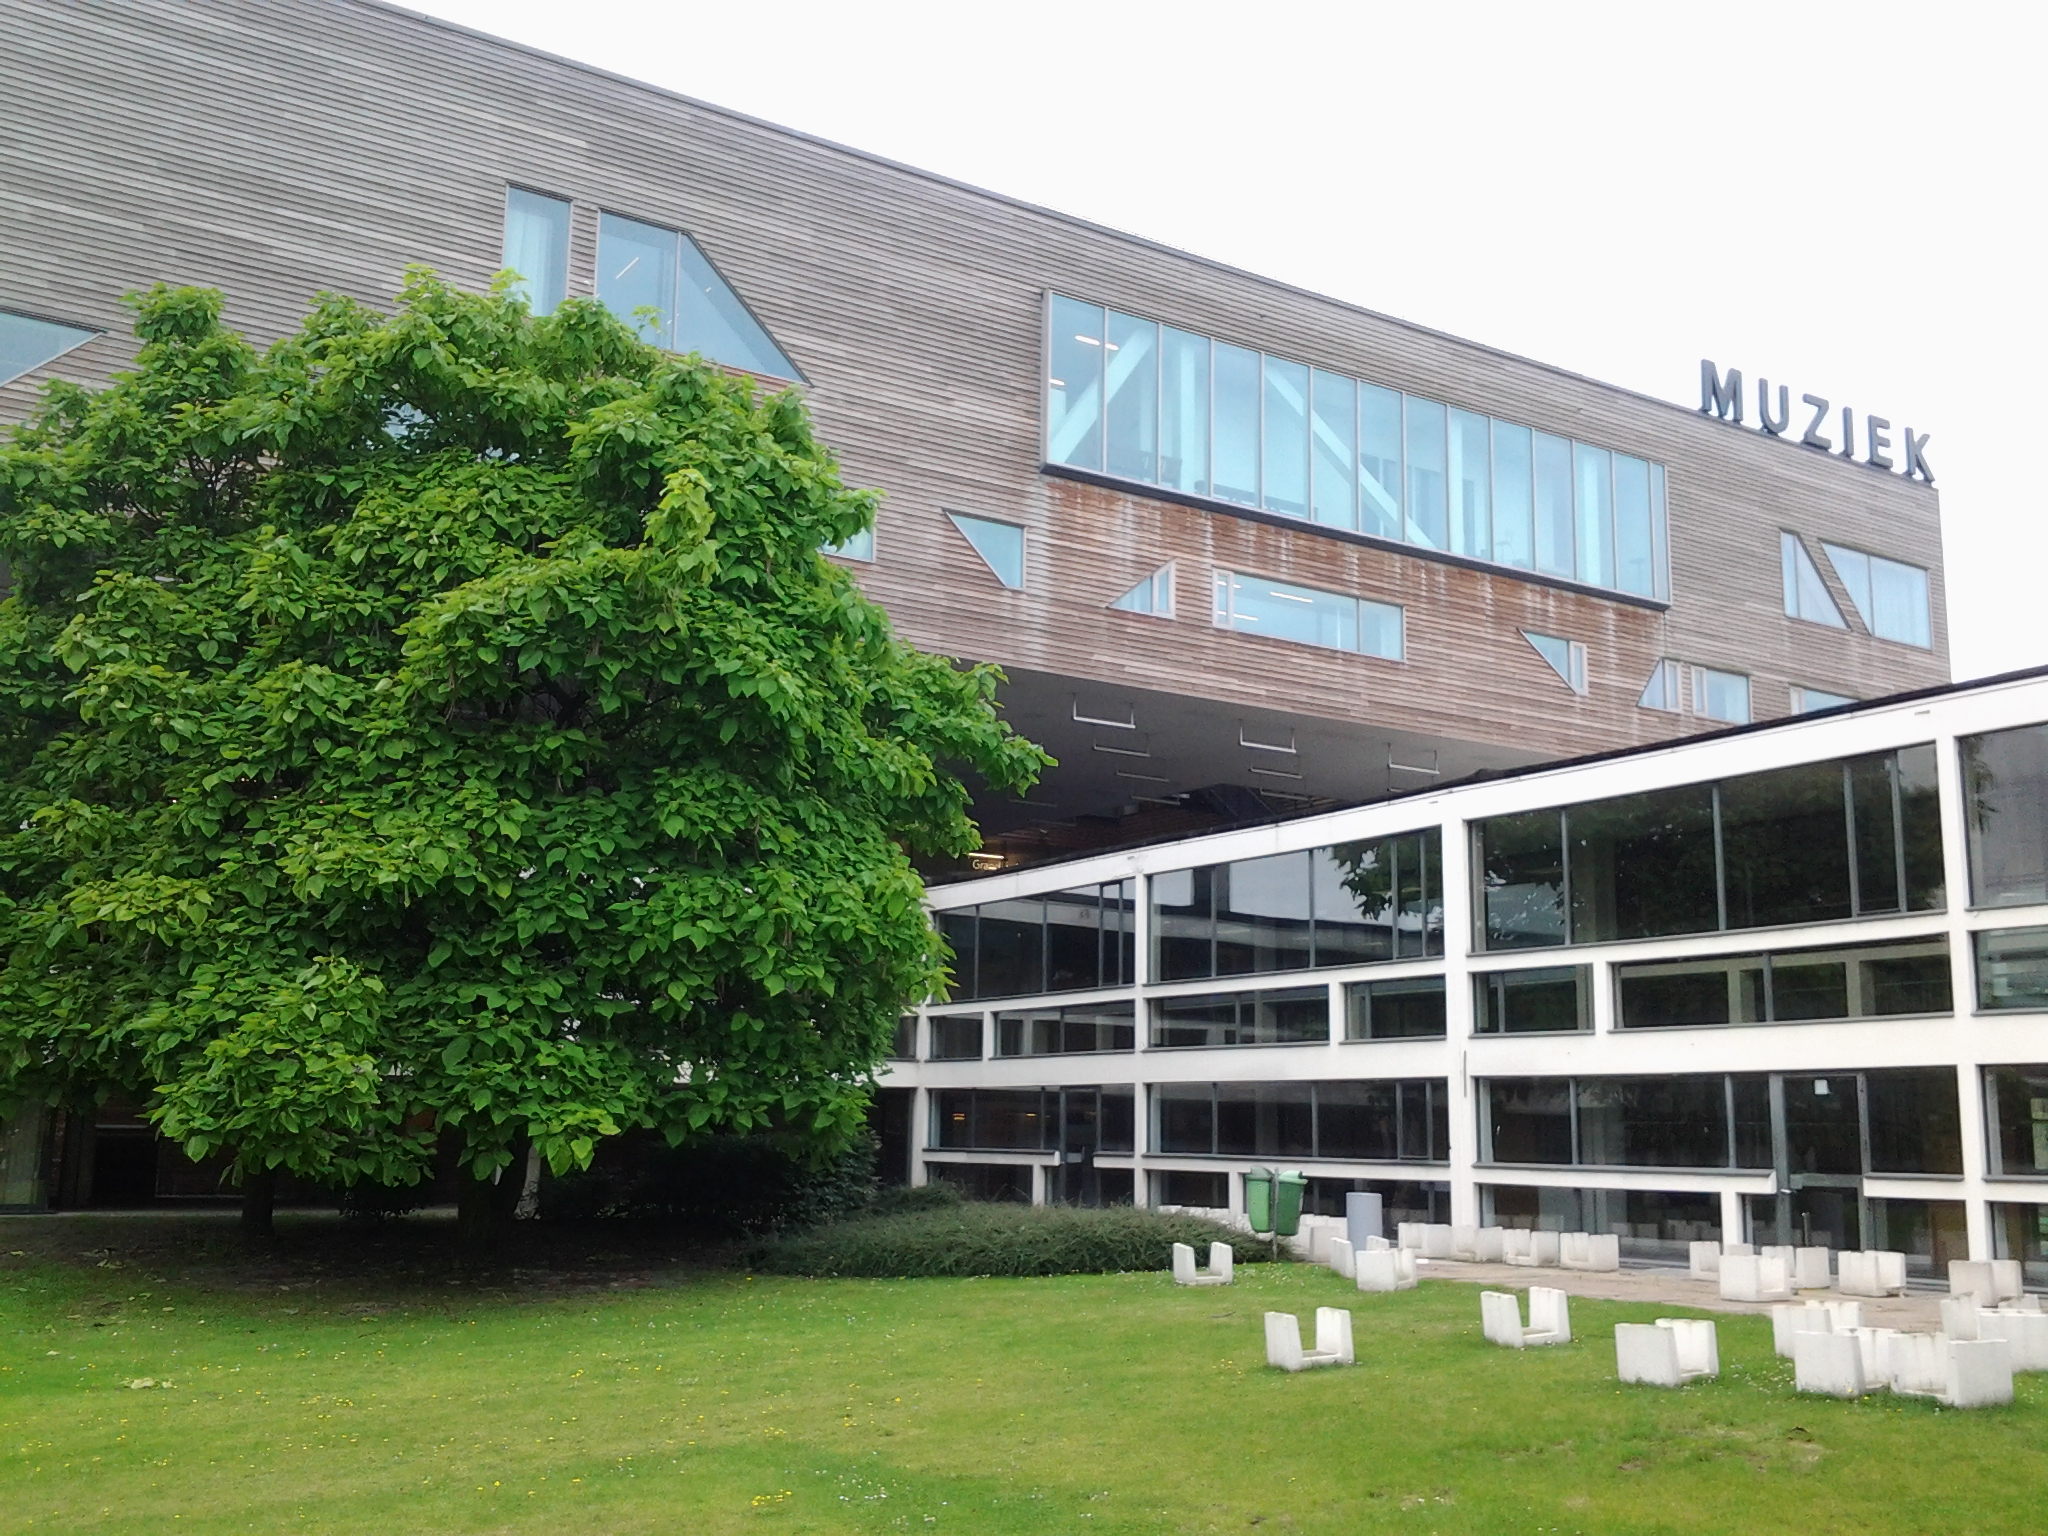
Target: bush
728,1186
980,1239
899,1198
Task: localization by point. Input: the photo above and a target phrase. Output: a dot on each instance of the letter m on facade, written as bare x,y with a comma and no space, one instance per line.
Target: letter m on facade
1719,396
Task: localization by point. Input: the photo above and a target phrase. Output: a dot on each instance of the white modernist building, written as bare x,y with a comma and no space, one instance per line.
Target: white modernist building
1785,983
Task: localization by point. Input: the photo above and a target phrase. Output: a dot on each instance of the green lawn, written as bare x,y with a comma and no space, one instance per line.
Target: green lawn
709,1402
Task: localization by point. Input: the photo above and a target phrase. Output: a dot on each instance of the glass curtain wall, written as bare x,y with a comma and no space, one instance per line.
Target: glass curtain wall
1067,1031
1868,981
1128,397
2005,782
1369,1120
1813,843
1349,904
1066,941
1290,1016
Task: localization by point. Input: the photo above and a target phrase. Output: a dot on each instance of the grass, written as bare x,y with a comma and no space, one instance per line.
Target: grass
703,1401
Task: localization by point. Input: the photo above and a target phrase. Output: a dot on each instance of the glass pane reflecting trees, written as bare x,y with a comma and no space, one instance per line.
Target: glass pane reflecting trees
1813,843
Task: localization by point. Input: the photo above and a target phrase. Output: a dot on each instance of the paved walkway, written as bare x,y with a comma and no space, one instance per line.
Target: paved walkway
1917,1312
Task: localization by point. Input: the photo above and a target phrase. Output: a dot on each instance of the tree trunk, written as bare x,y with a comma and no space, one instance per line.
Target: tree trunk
529,1193
476,1213
259,1201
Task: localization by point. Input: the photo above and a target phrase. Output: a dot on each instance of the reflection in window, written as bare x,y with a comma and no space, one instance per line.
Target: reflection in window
1374,1120
1787,986
1282,611
1410,1009
994,1119
1292,1016
1067,1031
857,546
1722,696
1890,596
954,1037
2005,775
1159,406
537,247
1000,545
2012,969
2016,1098
1567,658
26,343
1064,941
1808,701
1553,1000
1153,595
661,284
1352,904
1806,595
903,1047
1661,691
1820,841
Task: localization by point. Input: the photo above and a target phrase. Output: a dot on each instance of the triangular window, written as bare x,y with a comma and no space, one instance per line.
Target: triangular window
1567,658
1001,545
1661,691
659,282
26,344
1153,595
1806,595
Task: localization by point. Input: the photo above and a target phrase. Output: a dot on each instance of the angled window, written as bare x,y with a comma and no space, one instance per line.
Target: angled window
1308,617
1661,691
27,343
1891,597
1153,595
1806,595
857,546
659,282
1000,545
537,247
1806,701
1567,658
1722,696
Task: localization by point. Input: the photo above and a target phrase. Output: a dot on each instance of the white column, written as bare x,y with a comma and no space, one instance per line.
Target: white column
1731,1216
1459,919
920,1133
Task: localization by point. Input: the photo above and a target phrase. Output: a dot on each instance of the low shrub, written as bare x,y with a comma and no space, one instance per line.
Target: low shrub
969,1238
899,1198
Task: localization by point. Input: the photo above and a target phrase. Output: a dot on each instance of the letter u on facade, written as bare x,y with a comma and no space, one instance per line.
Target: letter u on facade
1775,425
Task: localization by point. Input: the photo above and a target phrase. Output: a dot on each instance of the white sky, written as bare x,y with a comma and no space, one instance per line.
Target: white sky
1843,198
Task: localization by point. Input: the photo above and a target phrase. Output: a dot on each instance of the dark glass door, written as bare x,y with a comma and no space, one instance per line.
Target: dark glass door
1080,1136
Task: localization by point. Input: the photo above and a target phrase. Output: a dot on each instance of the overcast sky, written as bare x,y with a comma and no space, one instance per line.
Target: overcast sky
1844,198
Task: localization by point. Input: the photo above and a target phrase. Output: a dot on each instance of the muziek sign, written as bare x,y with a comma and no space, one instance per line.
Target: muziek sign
1721,396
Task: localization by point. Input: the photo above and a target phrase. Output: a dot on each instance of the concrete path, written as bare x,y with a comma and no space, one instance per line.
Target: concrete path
1916,1312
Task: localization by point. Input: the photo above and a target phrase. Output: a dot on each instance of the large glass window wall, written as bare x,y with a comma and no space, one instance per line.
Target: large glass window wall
2005,779
1287,1016
1813,843
1067,1031
1066,941
2012,970
1366,1120
1146,402
1280,610
2016,1109
1843,1125
1349,904
1793,986
1033,1119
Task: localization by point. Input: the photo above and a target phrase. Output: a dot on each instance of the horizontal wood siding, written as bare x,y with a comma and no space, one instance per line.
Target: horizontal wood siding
279,149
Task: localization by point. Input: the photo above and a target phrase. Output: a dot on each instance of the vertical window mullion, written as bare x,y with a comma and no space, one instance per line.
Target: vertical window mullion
1728,1098
1564,870
1571,1099
1849,832
1720,869
1891,774
1315,1122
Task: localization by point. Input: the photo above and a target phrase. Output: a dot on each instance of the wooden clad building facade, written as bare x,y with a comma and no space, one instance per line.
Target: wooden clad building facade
275,149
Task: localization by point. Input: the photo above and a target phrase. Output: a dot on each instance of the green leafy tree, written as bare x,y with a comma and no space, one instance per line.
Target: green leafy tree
442,724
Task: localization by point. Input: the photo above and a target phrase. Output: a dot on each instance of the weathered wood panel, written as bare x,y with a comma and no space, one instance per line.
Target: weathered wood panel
278,149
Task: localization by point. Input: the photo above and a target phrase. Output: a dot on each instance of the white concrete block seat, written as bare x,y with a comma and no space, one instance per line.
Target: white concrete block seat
1961,1373
2025,1335
1810,1270
1437,1242
1704,1260
1385,1269
1222,1265
1830,1364
1990,1281
1333,1340
1341,1258
1754,1277
1529,1248
1667,1353
1500,1318
1788,1318
1870,1272
1599,1252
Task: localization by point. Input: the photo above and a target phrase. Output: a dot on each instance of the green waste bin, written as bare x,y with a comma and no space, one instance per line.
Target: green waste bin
1289,1187
1258,1200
